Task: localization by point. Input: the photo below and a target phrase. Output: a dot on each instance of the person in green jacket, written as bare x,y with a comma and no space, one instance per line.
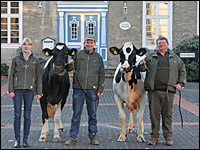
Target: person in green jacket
165,74
25,78
88,83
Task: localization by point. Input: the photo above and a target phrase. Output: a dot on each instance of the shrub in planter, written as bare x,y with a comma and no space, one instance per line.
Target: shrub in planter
191,45
4,69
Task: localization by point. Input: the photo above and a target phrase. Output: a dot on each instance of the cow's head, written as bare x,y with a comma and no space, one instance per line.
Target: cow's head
127,54
60,56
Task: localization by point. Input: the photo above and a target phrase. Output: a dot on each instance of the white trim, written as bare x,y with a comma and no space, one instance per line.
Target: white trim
198,18
82,10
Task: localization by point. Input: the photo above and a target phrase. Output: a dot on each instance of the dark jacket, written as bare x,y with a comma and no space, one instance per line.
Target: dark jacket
89,70
177,72
25,75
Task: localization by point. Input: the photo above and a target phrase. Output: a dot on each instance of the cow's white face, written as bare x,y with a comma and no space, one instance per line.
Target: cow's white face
128,54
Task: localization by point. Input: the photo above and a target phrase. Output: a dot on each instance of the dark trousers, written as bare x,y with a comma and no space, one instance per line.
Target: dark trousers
78,102
161,103
27,96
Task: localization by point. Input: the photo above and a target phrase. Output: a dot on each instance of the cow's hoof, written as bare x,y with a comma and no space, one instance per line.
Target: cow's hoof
42,139
56,139
61,129
121,138
141,139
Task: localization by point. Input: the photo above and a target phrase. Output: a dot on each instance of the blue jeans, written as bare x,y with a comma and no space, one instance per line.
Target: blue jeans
27,96
78,102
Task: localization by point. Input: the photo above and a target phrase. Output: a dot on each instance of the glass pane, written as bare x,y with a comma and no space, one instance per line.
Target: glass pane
162,28
151,6
4,33
14,40
3,40
151,12
163,34
3,26
150,41
163,21
151,21
14,33
3,20
14,27
14,20
3,4
150,28
14,10
14,4
163,12
3,10
163,6
150,35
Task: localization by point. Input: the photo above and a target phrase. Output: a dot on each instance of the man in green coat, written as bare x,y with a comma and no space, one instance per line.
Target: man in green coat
88,83
165,74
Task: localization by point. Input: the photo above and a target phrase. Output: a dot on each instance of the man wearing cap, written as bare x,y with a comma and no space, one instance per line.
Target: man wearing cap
88,83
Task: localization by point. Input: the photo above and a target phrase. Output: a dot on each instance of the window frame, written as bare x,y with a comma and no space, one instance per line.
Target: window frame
169,17
9,16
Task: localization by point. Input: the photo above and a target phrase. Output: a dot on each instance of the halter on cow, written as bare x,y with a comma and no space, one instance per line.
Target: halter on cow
55,88
128,86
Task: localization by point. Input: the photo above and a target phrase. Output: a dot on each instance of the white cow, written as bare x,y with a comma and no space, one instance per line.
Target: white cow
128,86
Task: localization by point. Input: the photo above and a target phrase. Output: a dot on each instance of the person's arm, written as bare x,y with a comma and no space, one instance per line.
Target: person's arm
38,79
11,76
101,81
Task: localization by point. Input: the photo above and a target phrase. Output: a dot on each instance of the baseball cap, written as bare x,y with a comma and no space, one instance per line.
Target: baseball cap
90,37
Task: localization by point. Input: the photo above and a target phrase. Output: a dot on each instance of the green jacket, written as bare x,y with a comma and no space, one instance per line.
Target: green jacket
89,70
25,75
177,72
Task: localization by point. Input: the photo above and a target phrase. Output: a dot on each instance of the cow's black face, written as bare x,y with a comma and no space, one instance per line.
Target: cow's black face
60,57
127,55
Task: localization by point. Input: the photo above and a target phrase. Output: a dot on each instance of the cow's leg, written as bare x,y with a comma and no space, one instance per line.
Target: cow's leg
130,125
45,128
58,124
122,116
140,137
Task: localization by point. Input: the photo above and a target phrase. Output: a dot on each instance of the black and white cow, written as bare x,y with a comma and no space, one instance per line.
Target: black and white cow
128,86
55,88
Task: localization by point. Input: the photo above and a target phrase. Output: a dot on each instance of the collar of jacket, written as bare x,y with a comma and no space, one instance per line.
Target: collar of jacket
21,55
168,50
87,52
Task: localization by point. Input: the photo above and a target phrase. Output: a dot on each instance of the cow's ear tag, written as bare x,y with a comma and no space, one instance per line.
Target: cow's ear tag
140,53
73,53
115,52
47,54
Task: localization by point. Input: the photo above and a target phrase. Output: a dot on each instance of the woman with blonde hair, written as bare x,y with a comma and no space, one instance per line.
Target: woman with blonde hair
25,78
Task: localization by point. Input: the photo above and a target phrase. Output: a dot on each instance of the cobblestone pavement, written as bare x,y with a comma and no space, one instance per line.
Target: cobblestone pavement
108,123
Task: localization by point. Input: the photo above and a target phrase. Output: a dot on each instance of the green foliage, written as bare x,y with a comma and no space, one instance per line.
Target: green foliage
191,45
4,69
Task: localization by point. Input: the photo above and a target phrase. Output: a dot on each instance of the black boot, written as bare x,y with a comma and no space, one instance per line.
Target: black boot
93,140
25,144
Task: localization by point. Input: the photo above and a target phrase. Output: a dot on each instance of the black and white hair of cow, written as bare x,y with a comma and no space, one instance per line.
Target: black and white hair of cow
55,87
128,87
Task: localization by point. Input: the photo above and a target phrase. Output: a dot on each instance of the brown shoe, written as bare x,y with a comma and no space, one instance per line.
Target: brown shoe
71,142
93,140
169,142
153,141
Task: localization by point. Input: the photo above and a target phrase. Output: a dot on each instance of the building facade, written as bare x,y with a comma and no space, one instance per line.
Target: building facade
111,22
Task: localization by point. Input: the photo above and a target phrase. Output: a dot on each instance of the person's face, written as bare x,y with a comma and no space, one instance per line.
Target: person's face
27,47
162,45
89,44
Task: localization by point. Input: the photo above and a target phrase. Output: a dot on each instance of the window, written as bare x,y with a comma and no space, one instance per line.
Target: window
74,31
91,29
156,22
11,23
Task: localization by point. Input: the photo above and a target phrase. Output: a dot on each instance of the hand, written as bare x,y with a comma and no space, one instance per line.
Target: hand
142,62
38,97
11,94
98,94
178,87
71,61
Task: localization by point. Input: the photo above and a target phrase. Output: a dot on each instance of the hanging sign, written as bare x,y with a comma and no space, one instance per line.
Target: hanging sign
125,25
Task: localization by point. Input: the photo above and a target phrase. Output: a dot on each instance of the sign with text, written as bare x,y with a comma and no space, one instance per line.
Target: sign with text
125,25
187,54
